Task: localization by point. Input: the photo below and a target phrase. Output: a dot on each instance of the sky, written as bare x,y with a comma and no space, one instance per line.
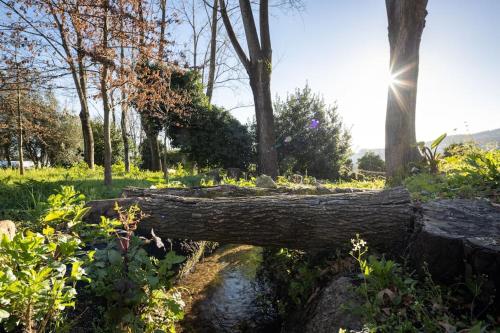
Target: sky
340,48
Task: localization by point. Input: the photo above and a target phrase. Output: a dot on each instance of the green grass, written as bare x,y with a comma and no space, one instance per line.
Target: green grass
24,197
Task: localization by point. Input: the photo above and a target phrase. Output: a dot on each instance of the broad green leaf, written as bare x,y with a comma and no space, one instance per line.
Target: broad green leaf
4,314
48,231
114,257
54,215
436,142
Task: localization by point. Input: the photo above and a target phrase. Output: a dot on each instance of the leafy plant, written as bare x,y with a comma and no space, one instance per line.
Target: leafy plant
468,171
35,286
394,301
137,288
430,154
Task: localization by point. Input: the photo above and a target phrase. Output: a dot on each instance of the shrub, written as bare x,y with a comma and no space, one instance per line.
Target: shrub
371,162
212,137
310,136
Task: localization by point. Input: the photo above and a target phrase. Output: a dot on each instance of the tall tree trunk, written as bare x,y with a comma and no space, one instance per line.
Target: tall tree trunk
163,25
124,130
213,51
152,141
406,23
124,103
267,155
79,75
105,101
80,81
154,149
19,130
258,66
164,162
6,149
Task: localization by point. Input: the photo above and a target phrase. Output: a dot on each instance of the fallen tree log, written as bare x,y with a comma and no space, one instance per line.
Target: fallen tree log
235,191
314,222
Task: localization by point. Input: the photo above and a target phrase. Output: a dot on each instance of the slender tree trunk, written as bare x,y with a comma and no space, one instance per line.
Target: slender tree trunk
258,66
164,164
406,23
20,131
79,75
6,149
124,104
81,84
213,51
105,102
112,109
163,25
125,136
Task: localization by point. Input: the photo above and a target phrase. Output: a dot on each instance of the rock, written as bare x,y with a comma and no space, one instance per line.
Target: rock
7,228
331,311
296,178
265,181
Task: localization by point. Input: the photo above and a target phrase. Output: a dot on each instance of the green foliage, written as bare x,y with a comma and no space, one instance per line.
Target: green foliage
467,172
137,288
25,197
430,154
211,137
371,162
51,136
394,301
39,271
294,276
310,136
116,143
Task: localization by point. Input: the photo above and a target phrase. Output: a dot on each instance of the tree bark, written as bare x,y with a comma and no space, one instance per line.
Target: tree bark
325,222
258,66
124,107
19,128
79,76
152,141
213,51
163,25
233,191
459,237
6,148
406,20
105,100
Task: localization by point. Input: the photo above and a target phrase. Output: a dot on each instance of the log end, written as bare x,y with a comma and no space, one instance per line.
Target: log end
459,239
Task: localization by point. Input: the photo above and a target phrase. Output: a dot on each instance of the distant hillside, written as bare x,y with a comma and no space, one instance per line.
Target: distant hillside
486,138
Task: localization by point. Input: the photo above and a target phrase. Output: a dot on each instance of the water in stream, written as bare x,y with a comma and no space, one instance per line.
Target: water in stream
225,294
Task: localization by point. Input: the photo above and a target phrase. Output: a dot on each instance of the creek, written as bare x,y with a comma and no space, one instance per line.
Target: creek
225,293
